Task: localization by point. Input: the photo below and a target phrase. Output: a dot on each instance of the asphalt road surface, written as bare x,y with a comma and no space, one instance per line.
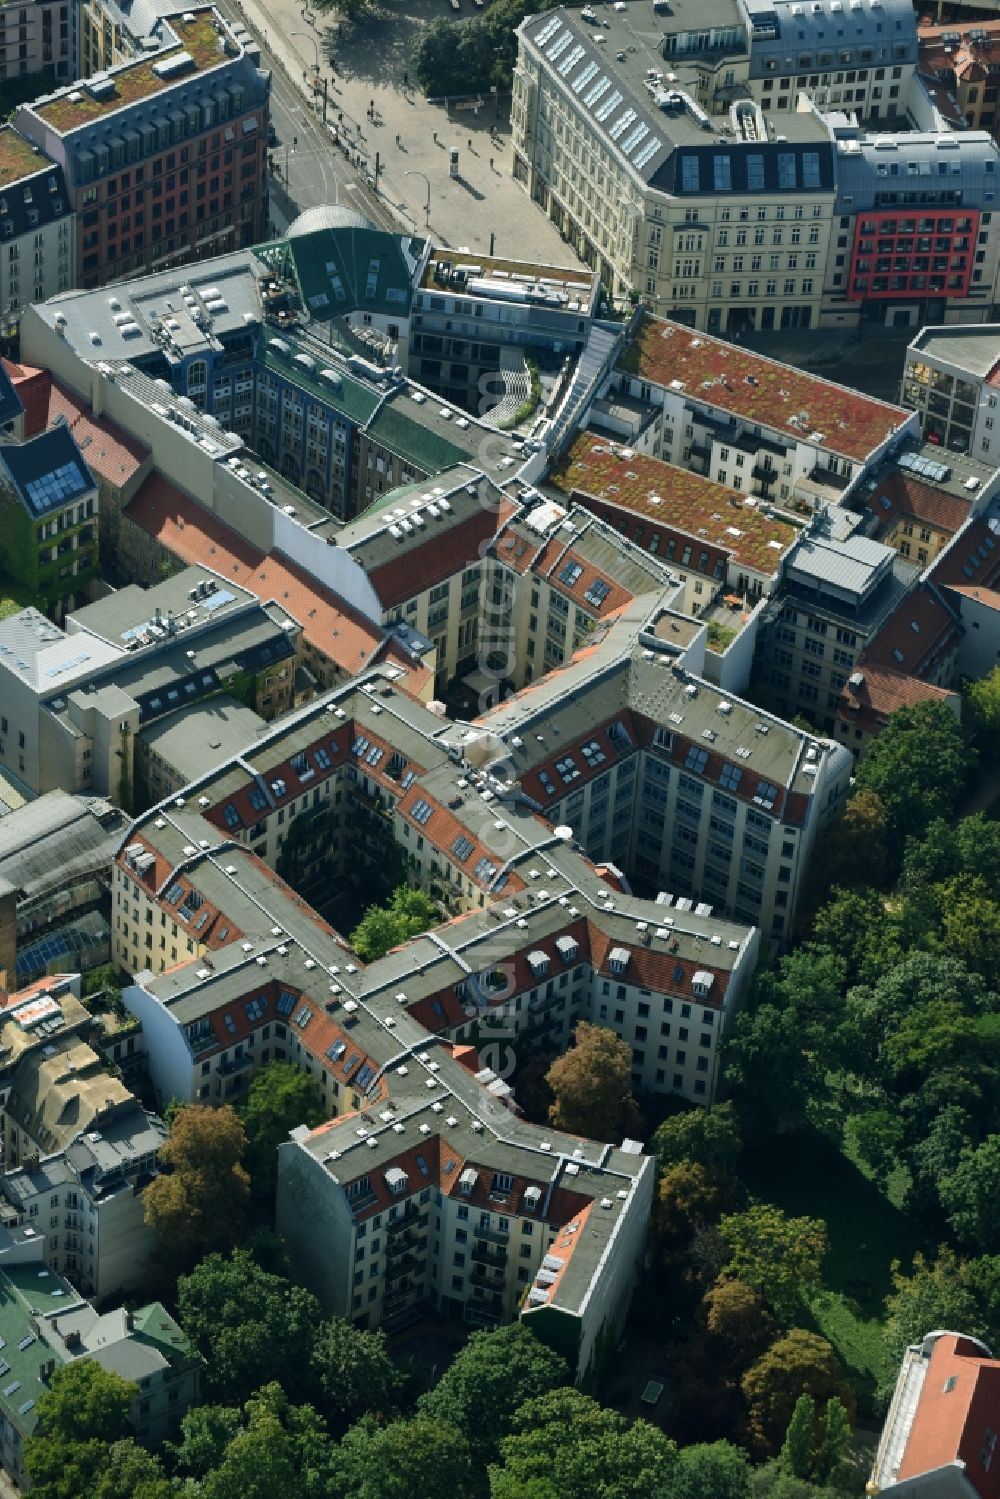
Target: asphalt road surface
310,167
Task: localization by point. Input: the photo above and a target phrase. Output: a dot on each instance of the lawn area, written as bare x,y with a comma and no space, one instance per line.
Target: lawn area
866,1232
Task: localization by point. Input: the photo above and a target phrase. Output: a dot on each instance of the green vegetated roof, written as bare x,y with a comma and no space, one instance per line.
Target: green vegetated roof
350,269
419,445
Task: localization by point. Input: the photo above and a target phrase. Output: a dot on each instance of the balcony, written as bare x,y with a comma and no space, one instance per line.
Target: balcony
400,1244
487,1279
411,1219
493,1235
409,1264
235,1064
488,1256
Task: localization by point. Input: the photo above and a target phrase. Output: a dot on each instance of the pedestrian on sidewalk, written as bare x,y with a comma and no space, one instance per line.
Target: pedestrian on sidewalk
491,163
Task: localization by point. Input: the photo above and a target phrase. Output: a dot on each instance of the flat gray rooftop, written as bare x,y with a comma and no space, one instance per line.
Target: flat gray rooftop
975,349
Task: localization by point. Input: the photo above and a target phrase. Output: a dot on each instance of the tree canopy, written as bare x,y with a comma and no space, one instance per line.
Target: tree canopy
565,1443
591,1086
354,1372
408,913
252,1327
778,1256
199,1203
491,1376
419,1456
917,767
280,1098
799,1363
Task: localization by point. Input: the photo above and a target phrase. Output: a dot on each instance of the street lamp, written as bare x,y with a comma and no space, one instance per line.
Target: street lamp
427,205
309,38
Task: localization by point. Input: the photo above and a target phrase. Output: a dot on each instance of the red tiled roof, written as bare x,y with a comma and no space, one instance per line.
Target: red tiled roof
32,387
921,630
759,390
955,1415
988,596
907,496
555,554
192,533
975,548
881,693
439,558
111,453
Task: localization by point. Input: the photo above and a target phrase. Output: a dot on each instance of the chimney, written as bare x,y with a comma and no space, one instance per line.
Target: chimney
73,1339
129,1322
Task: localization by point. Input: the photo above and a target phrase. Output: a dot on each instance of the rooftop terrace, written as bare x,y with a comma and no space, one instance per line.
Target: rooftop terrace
200,41
760,390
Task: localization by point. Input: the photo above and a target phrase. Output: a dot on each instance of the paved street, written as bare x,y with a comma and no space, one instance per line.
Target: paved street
372,67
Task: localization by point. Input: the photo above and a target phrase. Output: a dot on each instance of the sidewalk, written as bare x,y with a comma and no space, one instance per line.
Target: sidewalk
372,69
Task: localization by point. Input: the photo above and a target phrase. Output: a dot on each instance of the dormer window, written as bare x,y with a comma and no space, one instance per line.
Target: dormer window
618,959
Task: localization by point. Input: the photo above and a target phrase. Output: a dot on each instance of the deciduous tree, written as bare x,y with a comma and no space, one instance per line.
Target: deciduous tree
779,1256
918,767
969,1196
420,1456
199,1205
738,1322
706,1137
711,1470
565,1443
252,1327
354,1371
490,1377
934,1294
281,1097
408,913
799,1363
591,1086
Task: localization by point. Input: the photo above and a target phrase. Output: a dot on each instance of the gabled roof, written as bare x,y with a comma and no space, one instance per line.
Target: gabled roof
48,471
901,496
917,634
881,693
329,624
956,1418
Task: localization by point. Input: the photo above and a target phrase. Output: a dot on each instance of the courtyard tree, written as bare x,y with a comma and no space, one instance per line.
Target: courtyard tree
565,1443
490,1377
199,1203
918,768
799,1363
280,1098
778,1256
408,913
591,1086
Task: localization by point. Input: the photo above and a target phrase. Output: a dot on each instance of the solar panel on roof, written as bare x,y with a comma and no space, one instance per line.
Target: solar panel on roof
607,107
52,489
559,46
548,30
